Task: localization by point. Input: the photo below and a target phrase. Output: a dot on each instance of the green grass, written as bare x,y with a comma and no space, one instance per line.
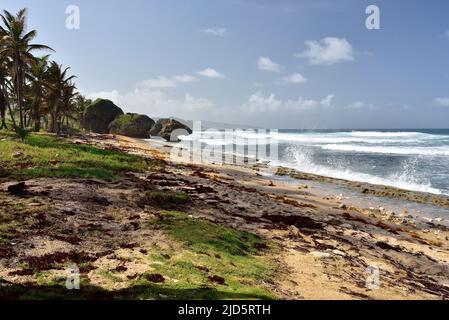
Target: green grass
195,250
208,250
50,156
165,197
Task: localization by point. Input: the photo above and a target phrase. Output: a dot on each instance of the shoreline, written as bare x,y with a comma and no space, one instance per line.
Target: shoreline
366,188
322,244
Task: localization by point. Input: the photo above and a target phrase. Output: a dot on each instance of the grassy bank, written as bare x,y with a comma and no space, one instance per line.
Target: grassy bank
195,258
49,156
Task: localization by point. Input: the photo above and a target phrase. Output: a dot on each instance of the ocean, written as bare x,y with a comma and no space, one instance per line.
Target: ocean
415,160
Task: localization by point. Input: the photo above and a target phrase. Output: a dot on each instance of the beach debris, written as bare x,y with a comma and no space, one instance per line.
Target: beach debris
294,231
17,154
338,252
17,188
320,255
301,222
386,246
343,206
271,184
260,246
155,277
217,279
120,269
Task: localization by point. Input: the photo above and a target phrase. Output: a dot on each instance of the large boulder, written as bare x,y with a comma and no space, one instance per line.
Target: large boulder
99,115
132,125
165,127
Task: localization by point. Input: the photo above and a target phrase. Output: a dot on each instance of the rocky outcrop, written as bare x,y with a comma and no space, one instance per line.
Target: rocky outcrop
166,128
99,115
132,125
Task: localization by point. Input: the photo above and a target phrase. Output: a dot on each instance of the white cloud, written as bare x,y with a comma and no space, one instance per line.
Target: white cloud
266,64
442,102
168,82
294,78
155,102
327,102
327,51
211,73
357,105
257,102
300,104
218,32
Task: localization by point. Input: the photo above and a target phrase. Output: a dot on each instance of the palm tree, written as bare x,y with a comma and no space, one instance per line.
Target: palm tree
57,98
17,45
3,94
68,104
3,81
39,83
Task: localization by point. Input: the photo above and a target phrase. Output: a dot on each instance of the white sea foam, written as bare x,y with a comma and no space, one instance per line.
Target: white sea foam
430,149
405,150
217,138
403,180
384,134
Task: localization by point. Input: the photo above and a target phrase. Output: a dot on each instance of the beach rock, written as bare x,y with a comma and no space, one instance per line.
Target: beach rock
169,129
99,115
132,125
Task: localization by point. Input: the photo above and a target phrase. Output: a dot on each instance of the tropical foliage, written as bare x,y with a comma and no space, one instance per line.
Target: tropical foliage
35,91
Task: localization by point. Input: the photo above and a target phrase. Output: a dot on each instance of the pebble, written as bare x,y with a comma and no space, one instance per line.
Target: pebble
347,226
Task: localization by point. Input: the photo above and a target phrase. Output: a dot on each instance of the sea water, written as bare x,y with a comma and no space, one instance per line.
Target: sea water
415,160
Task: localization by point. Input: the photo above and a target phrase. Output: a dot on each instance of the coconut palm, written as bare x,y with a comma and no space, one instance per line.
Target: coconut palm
59,82
3,96
39,83
3,81
17,45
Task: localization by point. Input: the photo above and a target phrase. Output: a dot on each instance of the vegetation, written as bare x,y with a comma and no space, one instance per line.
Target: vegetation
201,260
34,89
51,156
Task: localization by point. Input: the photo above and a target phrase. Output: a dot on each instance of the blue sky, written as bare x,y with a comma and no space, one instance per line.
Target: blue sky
278,64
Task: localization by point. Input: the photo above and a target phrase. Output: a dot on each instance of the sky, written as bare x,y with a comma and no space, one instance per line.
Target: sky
298,64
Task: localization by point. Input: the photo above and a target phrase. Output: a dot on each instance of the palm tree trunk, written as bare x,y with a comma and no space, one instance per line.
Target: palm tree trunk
36,113
19,88
11,115
2,109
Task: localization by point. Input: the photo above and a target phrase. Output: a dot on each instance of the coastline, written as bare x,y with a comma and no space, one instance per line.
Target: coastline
412,240
322,244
